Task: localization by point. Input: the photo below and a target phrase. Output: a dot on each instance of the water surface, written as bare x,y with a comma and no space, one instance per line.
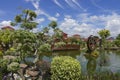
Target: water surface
107,60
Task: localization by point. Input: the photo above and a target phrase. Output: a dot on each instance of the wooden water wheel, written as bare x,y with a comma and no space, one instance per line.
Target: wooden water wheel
91,43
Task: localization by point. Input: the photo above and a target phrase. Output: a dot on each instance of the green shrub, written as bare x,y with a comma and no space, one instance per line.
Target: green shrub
3,63
65,68
14,66
1,75
45,48
60,44
1,54
10,51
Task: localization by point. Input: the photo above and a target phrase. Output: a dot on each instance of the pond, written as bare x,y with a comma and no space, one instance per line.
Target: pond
107,60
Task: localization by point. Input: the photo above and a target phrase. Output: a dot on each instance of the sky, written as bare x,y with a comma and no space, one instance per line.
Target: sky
83,17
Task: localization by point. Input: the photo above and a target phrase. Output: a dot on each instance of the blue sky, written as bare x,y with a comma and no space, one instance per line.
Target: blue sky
84,17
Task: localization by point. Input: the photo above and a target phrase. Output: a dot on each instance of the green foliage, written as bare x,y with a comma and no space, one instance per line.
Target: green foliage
5,36
18,18
45,30
14,66
45,48
11,51
58,34
53,24
60,44
117,41
3,64
6,39
23,36
118,37
74,40
25,42
1,75
105,75
104,33
1,54
91,55
65,68
26,20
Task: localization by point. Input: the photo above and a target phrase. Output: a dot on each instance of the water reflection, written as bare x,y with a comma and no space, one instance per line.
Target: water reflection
91,66
106,61
92,63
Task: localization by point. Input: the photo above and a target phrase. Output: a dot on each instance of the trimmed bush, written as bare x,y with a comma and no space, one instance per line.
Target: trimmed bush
45,48
65,68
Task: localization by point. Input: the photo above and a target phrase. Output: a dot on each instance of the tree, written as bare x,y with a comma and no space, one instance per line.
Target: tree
53,24
104,34
117,40
45,30
6,39
58,34
118,37
26,20
26,42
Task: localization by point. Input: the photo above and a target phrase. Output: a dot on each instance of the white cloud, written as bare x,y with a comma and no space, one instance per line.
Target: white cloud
36,3
5,23
113,26
38,29
57,15
39,11
71,26
56,2
70,3
85,24
52,18
67,16
75,2
96,5
90,24
40,20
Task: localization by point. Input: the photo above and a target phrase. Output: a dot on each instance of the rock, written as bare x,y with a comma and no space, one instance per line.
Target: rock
23,65
43,65
9,57
33,73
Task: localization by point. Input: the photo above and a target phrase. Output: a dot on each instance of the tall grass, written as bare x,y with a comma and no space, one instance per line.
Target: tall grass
101,76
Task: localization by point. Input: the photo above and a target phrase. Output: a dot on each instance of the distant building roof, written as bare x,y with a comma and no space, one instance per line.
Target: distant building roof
84,39
64,33
7,27
110,38
76,35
